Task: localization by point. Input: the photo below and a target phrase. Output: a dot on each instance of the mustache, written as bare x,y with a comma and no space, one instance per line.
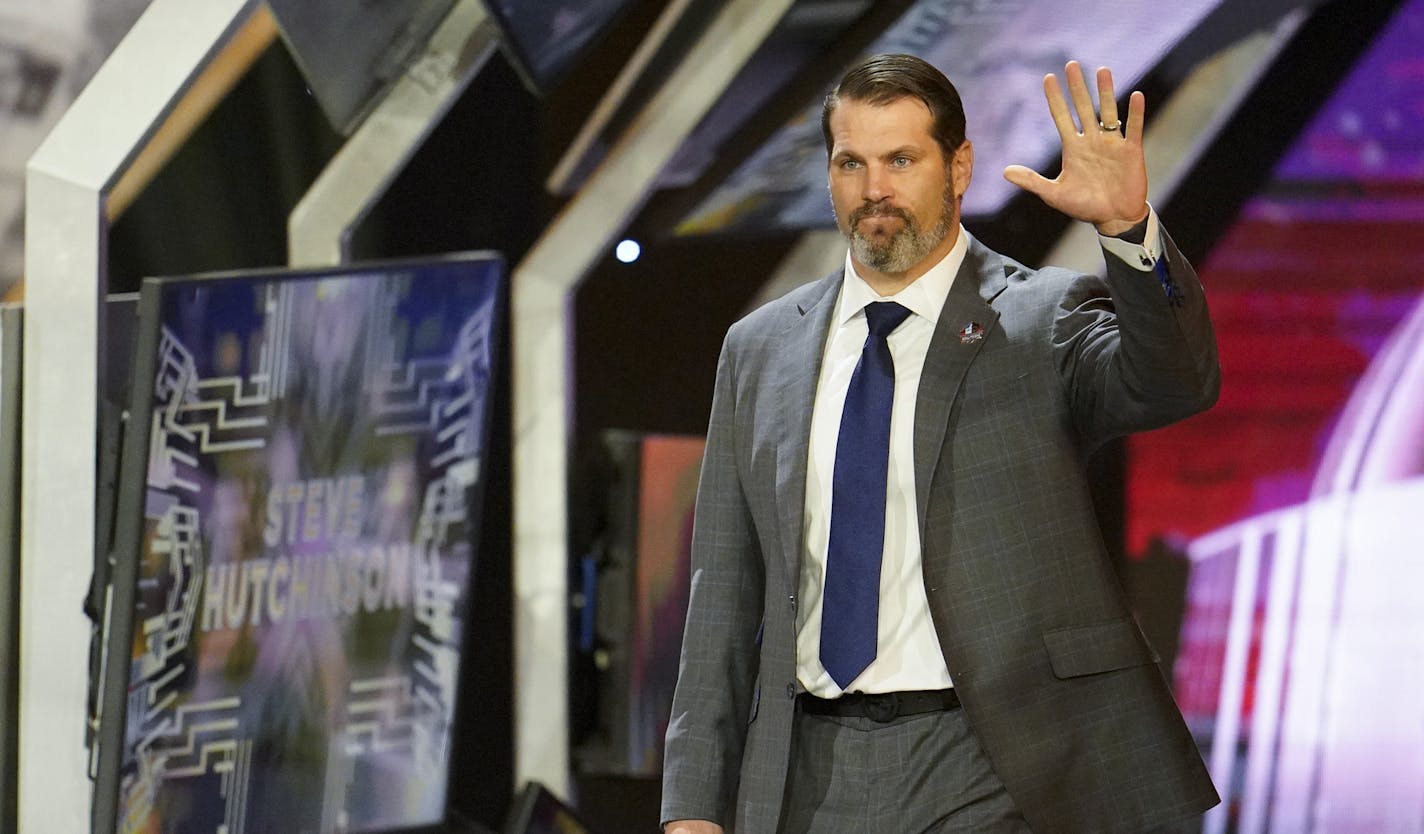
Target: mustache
878,210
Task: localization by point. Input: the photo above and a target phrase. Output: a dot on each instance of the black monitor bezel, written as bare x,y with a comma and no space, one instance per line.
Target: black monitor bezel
11,369
534,795
537,79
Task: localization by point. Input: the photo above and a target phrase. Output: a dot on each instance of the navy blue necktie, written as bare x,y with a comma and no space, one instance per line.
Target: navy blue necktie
850,607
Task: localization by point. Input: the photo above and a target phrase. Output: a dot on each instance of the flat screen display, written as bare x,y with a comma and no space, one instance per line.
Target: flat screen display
548,36
297,516
668,492
351,52
537,811
639,599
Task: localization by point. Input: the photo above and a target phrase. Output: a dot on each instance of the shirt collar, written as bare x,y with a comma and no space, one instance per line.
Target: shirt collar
925,296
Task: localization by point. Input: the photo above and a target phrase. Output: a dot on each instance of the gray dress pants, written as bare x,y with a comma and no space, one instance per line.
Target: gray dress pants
917,774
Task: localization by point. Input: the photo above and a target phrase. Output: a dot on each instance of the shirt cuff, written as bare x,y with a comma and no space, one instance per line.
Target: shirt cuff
1140,256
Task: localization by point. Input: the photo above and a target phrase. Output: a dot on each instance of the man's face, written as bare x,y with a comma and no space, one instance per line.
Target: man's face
895,197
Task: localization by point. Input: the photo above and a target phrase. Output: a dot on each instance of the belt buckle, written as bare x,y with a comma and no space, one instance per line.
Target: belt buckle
882,707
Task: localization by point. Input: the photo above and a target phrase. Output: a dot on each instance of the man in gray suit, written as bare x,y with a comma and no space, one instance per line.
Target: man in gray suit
902,617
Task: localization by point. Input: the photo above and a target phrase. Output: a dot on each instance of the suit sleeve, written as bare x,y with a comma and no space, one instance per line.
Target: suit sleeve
707,729
1136,350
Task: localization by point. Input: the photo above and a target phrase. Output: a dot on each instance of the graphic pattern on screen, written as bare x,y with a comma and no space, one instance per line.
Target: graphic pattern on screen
314,449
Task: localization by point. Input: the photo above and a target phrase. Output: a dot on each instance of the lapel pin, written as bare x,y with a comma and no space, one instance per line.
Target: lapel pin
971,333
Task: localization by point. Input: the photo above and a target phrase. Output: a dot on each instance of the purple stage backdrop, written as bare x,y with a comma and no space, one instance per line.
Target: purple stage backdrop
1296,501
313,468
982,48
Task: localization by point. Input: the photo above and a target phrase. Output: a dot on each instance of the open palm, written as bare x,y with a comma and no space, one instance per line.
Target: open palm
1104,176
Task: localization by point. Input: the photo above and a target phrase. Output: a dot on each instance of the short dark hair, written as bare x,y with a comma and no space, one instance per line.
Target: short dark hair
885,79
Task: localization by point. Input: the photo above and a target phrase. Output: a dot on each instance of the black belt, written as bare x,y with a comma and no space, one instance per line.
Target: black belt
881,706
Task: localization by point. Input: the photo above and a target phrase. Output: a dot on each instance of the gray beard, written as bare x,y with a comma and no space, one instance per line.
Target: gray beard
903,250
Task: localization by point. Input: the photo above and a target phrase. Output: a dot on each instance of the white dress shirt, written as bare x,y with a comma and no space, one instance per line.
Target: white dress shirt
908,655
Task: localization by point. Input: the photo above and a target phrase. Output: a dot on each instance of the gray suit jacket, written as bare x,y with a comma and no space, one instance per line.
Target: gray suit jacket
1057,680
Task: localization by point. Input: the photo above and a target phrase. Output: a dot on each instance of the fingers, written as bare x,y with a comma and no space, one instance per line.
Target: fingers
1078,91
1107,100
1136,115
1106,112
1027,179
1058,108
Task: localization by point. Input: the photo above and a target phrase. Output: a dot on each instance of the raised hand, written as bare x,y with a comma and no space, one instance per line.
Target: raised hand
1104,176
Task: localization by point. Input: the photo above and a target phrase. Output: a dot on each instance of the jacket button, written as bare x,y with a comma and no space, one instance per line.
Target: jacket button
790,691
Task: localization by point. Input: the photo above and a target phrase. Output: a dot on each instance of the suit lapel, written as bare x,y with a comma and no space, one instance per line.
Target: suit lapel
965,324
797,369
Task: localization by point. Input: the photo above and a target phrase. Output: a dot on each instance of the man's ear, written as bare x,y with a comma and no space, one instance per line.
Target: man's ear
961,168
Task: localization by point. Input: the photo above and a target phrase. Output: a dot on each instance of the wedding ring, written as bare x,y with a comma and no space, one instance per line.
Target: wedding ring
1114,128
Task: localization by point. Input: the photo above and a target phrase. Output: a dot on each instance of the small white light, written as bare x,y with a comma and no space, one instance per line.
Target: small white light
628,251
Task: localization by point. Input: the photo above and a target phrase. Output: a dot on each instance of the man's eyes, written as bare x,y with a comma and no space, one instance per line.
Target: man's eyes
895,162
